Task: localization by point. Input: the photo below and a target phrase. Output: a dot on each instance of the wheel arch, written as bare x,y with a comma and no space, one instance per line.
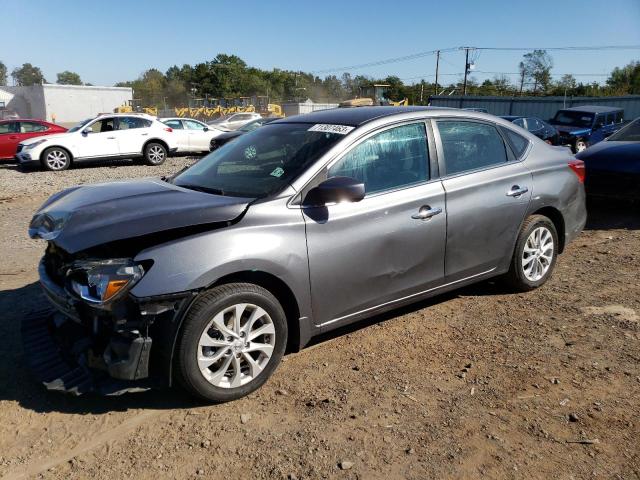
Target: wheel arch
283,293
280,290
557,219
66,149
155,140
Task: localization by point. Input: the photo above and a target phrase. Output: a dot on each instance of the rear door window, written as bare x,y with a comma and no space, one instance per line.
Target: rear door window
32,127
392,159
191,125
469,145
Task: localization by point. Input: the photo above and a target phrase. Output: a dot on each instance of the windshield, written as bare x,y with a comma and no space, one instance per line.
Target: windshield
80,125
630,133
573,119
258,163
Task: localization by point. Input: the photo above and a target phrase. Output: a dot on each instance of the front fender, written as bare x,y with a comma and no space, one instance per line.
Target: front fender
269,239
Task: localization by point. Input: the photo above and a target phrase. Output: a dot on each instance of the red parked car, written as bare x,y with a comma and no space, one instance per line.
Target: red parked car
12,132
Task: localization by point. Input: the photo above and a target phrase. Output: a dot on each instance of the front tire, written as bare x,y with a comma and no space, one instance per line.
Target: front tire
232,340
56,159
535,255
155,154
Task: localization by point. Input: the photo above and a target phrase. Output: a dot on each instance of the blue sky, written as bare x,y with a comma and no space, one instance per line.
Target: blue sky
120,39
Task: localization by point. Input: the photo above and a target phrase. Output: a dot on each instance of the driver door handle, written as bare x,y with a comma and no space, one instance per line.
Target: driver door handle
426,212
516,191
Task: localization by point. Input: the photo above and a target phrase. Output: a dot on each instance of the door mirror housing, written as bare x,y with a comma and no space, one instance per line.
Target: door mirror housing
86,131
335,190
205,129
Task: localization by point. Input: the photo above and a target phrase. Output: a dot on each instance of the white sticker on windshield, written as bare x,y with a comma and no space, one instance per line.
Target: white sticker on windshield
325,127
278,172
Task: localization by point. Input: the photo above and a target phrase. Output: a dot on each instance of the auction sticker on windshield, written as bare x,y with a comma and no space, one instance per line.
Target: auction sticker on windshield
327,128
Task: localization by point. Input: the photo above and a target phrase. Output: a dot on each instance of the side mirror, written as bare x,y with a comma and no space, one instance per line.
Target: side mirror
334,190
205,129
86,131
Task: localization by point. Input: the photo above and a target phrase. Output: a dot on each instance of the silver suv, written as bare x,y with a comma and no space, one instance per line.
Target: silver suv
302,226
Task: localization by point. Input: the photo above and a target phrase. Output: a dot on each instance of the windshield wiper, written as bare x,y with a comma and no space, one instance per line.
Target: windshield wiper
201,188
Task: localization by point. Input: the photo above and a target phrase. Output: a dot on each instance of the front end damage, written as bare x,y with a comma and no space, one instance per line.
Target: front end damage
100,337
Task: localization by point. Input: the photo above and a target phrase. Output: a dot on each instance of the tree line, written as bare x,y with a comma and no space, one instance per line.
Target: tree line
228,76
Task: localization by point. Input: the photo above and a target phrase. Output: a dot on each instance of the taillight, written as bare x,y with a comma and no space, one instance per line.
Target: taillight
168,129
578,168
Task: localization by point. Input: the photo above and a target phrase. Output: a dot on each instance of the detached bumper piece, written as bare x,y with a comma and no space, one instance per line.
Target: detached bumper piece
59,355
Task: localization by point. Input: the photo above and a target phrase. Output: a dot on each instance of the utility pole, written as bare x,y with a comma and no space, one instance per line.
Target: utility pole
437,67
421,91
522,81
466,71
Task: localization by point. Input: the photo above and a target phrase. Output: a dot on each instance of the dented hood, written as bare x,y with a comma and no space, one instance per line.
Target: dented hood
83,217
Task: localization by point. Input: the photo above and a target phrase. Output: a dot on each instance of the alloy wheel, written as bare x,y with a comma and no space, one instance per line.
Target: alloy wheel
56,159
156,154
236,345
537,255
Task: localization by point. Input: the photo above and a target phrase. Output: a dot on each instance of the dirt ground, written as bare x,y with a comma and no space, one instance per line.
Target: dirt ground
477,383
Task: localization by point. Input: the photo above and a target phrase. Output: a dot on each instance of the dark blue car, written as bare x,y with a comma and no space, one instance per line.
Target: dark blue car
613,167
580,127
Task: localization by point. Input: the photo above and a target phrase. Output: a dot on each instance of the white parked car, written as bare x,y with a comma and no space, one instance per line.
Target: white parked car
235,121
107,136
193,135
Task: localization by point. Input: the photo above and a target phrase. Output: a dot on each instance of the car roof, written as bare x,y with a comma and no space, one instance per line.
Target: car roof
594,109
180,118
356,116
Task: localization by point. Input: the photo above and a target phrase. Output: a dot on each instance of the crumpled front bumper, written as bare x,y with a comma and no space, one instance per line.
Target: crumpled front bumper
57,364
76,349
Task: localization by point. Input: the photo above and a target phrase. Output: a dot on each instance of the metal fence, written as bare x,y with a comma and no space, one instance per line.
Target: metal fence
541,107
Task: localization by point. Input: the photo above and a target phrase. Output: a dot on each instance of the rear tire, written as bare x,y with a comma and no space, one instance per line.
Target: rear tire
56,159
222,356
535,255
154,154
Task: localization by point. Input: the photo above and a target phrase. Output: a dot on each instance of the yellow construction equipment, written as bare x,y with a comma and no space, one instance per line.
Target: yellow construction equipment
374,94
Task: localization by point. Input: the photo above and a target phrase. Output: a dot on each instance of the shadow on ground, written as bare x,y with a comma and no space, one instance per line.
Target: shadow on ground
17,383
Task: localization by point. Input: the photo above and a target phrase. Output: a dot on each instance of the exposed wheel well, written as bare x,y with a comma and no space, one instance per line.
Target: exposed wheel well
155,140
281,291
556,217
56,146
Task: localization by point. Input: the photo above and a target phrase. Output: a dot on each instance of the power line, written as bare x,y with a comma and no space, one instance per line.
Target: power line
385,61
505,73
433,52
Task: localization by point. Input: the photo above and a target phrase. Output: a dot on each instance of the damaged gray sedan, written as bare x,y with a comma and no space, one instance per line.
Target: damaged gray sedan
302,226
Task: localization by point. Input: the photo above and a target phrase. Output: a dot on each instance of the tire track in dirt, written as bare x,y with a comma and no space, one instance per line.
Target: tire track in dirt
41,465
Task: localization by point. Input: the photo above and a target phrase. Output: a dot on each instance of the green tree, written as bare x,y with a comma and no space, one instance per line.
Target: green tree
536,68
68,78
27,75
625,80
3,74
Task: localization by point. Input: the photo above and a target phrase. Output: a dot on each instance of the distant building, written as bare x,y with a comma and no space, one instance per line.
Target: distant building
64,104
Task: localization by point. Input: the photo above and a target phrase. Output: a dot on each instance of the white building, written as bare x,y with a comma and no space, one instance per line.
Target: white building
63,104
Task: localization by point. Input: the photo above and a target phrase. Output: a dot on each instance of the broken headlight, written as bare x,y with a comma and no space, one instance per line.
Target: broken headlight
101,281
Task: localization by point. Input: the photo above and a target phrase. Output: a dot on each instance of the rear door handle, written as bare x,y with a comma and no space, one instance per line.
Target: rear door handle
426,212
516,191
111,138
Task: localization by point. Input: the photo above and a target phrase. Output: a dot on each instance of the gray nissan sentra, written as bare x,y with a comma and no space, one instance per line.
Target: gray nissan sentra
307,224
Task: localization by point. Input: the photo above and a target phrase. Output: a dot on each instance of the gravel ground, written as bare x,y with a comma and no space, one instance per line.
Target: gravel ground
16,182
476,383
